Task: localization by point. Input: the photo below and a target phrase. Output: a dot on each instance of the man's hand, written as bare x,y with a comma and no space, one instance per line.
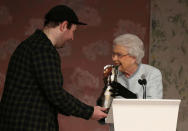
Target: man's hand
98,113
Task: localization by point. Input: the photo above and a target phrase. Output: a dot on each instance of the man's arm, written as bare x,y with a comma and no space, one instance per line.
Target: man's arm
47,69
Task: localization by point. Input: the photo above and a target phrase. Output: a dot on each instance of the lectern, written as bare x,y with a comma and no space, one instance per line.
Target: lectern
144,114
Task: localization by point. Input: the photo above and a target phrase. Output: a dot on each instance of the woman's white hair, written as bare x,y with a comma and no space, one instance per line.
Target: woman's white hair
133,44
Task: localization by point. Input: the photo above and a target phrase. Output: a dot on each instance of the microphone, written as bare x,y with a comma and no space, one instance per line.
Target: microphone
115,73
143,83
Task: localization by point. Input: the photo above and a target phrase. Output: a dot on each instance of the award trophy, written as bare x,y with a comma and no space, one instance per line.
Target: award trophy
105,99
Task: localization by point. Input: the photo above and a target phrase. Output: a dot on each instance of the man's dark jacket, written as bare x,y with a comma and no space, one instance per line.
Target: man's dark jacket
33,93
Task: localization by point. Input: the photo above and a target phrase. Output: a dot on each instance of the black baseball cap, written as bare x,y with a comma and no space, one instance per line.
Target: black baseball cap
61,13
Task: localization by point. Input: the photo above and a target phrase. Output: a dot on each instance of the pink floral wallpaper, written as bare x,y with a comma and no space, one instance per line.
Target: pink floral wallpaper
84,58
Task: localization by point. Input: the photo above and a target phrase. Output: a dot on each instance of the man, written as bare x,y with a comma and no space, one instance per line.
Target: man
33,93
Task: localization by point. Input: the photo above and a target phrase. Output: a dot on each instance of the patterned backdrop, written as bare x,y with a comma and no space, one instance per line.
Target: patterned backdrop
169,51
82,59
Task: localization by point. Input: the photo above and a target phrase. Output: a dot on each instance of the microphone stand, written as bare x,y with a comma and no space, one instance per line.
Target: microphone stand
143,84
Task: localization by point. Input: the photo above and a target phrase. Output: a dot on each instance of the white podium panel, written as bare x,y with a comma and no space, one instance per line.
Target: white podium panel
144,114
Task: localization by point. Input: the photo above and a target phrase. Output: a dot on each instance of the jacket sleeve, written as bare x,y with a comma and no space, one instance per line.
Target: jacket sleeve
154,85
47,69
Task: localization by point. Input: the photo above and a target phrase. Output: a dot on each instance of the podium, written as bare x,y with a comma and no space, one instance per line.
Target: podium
144,114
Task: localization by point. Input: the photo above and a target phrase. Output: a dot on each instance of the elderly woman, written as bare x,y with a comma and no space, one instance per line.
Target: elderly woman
128,51
134,79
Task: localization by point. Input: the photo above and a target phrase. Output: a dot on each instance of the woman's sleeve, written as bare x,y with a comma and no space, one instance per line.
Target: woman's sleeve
154,87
